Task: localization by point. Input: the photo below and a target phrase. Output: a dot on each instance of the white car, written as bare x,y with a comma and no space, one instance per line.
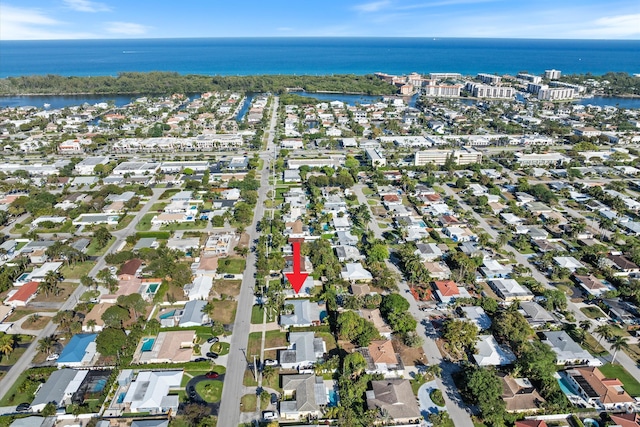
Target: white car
52,357
269,415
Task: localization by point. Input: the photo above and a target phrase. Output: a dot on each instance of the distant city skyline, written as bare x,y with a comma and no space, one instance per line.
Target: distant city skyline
87,19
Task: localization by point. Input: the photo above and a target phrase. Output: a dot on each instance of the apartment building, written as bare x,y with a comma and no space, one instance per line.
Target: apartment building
464,156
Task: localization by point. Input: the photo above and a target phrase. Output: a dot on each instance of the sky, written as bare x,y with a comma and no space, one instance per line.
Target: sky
549,19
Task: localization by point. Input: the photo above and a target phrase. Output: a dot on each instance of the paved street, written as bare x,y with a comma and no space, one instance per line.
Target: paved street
25,361
229,415
455,406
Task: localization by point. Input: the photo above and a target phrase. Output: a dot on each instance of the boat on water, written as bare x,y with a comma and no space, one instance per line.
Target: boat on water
47,105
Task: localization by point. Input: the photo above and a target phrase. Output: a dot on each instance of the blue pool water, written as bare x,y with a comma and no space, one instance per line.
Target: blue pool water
147,344
333,398
121,397
153,288
323,314
23,277
99,385
422,224
590,422
565,387
168,314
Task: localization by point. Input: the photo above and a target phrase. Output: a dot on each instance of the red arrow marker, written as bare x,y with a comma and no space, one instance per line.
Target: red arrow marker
296,278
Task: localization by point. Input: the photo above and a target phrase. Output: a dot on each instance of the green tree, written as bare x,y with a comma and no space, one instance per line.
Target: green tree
618,343
49,410
485,390
115,316
102,237
110,341
461,335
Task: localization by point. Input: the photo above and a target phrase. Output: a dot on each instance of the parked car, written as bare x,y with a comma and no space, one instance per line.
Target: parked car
201,359
212,355
269,415
212,374
23,407
213,340
274,398
270,362
53,356
229,276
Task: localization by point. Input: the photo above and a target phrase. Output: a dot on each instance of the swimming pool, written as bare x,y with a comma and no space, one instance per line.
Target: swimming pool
152,288
323,315
23,277
333,398
99,385
121,397
168,314
590,422
566,387
147,344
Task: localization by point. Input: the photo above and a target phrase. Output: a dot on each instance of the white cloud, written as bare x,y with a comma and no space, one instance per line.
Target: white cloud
126,28
372,6
86,6
17,23
616,26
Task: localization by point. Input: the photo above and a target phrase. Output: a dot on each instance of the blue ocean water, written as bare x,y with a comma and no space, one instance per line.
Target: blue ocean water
250,56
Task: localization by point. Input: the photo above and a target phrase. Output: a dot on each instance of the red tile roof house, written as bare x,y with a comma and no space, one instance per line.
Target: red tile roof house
448,290
23,295
530,423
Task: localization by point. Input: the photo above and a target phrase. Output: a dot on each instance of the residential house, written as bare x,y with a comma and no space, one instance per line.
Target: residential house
568,262
130,269
348,253
428,251
305,313
382,359
199,289
167,347
438,270
510,290
304,351
597,390
80,351
23,295
58,389
149,392
309,395
530,423
374,316
448,290
535,314
567,350
623,265
395,399
492,269
193,314
520,395
354,272
625,420
93,320
475,315
490,353
591,284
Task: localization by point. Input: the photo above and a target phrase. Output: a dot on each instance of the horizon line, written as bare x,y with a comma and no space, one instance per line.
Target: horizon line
434,38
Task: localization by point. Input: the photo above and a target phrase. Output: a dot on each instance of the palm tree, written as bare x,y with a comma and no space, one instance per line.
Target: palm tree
585,325
618,343
46,344
604,331
7,344
91,323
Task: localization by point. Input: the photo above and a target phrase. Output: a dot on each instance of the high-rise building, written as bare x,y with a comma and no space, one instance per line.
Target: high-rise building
552,74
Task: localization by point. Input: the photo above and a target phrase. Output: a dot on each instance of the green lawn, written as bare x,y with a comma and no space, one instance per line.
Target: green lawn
257,315
630,384
253,346
92,250
248,403
367,191
210,390
124,222
145,222
592,312
221,348
158,206
23,390
195,225
77,271
170,193
231,265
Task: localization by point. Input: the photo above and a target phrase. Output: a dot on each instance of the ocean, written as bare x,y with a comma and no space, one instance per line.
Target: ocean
251,56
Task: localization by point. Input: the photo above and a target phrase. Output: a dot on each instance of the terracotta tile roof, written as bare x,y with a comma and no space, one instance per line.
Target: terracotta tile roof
381,351
130,267
447,288
626,420
530,423
25,292
609,390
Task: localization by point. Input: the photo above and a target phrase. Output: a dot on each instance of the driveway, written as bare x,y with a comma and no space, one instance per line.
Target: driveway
214,407
427,407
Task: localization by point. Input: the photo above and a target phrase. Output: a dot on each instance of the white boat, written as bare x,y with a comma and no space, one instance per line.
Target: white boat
47,105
